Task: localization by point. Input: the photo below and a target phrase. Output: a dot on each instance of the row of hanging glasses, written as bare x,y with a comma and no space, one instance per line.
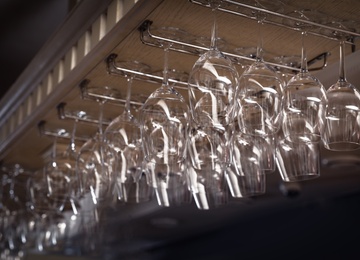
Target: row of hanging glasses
239,127
231,132
31,217
221,140
46,210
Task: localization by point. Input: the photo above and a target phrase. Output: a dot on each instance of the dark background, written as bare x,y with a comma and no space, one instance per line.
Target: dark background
25,26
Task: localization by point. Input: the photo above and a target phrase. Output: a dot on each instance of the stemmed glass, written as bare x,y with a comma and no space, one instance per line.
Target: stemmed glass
124,135
342,114
246,176
297,161
40,206
212,84
47,222
96,158
259,102
164,121
260,95
205,169
59,177
14,228
96,166
304,114
63,190
70,156
304,95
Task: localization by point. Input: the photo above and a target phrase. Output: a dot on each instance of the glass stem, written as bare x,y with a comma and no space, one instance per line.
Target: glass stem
342,77
101,136
259,49
73,134
303,68
166,65
101,105
213,44
53,152
128,94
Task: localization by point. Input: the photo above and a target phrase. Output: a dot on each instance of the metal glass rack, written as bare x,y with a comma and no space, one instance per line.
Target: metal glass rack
79,115
149,38
330,30
46,130
175,77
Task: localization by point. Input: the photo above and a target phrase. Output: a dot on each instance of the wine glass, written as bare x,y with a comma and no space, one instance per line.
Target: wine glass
63,192
260,95
259,101
207,151
164,121
42,210
14,227
96,159
342,114
304,96
59,176
70,156
297,161
212,84
246,175
124,135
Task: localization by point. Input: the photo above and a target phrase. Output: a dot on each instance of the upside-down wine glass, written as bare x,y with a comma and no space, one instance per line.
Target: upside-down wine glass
260,95
212,84
14,230
96,159
124,135
41,208
259,101
59,177
71,156
304,114
205,172
164,120
304,95
245,176
342,115
96,164
49,191
65,224
297,161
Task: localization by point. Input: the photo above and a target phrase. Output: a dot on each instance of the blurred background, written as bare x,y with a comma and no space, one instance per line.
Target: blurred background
25,26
